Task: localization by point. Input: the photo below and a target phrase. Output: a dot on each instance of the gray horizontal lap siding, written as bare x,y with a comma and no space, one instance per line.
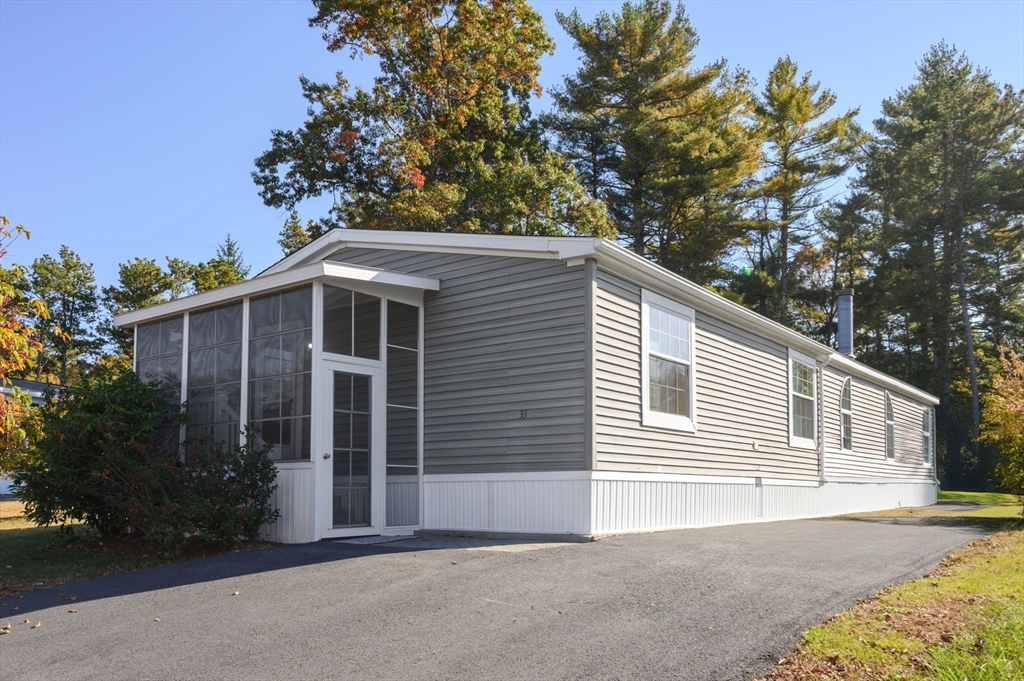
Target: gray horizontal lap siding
503,335
742,396
867,459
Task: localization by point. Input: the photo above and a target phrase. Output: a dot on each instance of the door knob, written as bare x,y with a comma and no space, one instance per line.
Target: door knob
327,455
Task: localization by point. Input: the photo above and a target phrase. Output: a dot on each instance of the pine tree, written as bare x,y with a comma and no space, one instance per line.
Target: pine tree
805,153
294,235
947,168
663,143
140,283
67,286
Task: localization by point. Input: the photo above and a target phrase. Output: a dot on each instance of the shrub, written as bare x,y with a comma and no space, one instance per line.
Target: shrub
93,440
109,458
1003,422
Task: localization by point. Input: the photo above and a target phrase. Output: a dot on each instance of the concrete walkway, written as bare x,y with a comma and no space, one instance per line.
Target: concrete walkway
720,603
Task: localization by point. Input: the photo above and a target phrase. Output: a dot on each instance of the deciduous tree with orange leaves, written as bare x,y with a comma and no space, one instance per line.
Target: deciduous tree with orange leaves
1003,420
444,140
18,346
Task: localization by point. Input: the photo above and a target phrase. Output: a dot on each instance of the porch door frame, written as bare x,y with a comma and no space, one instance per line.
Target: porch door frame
324,444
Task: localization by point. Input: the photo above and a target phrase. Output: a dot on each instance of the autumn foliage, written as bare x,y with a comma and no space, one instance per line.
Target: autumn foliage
1003,423
444,140
18,346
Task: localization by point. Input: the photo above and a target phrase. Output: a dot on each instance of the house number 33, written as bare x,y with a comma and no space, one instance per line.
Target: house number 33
522,414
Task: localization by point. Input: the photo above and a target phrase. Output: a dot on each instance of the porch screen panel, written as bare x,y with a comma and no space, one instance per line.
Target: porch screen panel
280,361
158,349
403,335
215,375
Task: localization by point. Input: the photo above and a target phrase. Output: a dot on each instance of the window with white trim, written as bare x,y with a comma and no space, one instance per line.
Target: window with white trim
846,416
668,363
890,428
927,436
803,401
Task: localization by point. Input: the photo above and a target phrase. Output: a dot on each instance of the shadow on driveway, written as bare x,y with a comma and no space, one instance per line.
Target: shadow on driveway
227,566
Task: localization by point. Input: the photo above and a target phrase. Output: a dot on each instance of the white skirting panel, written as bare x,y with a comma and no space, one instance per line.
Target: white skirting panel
637,505
612,502
835,498
559,504
295,498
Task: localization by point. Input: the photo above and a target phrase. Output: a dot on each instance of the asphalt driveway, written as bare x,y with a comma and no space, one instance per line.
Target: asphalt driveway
720,603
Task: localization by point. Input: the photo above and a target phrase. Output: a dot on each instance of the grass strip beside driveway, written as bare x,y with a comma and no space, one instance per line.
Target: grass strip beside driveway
964,620
33,557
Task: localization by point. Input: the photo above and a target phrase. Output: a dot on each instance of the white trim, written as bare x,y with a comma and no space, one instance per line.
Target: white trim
243,409
611,256
928,437
263,284
651,417
420,411
378,451
847,384
563,248
183,429
795,441
889,419
510,477
616,475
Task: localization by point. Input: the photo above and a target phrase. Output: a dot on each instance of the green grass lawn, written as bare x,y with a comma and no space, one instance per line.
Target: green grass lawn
980,498
965,620
39,557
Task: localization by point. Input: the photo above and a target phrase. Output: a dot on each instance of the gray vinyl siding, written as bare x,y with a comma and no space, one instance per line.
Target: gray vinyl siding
867,459
741,396
503,335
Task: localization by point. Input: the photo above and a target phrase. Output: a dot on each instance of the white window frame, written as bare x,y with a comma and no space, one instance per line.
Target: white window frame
806,360
889,414
928,436
650,417
843,411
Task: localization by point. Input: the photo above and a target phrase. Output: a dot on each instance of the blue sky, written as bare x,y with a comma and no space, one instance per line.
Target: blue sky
130,128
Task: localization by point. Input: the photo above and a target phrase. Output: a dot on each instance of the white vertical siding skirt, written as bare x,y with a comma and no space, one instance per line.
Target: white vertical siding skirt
610,503
294,497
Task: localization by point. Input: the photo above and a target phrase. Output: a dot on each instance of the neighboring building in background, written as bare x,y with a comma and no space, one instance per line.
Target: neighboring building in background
37,391
450,382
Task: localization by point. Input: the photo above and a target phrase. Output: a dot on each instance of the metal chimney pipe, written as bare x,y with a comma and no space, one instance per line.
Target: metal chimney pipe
846,322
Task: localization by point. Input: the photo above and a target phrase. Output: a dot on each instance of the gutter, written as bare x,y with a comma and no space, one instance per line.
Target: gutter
642,271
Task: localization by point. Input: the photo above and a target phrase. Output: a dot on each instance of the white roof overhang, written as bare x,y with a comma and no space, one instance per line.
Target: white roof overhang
308,263
631,266
554,248
341,273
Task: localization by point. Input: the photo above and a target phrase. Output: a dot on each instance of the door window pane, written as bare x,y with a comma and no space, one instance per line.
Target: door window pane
351,450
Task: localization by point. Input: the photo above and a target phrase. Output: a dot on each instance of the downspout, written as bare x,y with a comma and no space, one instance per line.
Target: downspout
821,419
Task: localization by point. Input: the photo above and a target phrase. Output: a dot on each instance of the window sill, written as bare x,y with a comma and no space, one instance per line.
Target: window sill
681,424
302,463
802,443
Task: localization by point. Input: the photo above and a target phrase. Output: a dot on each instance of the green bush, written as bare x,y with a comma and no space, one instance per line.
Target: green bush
108,457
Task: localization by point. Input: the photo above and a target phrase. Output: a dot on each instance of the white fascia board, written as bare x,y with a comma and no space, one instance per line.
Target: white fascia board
561,248
646,273
852,366
269,282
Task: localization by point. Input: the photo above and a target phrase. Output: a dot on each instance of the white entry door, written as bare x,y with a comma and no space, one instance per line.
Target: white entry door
350,455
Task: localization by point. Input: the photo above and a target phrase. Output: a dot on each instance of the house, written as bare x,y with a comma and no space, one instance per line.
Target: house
37,393
488,383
